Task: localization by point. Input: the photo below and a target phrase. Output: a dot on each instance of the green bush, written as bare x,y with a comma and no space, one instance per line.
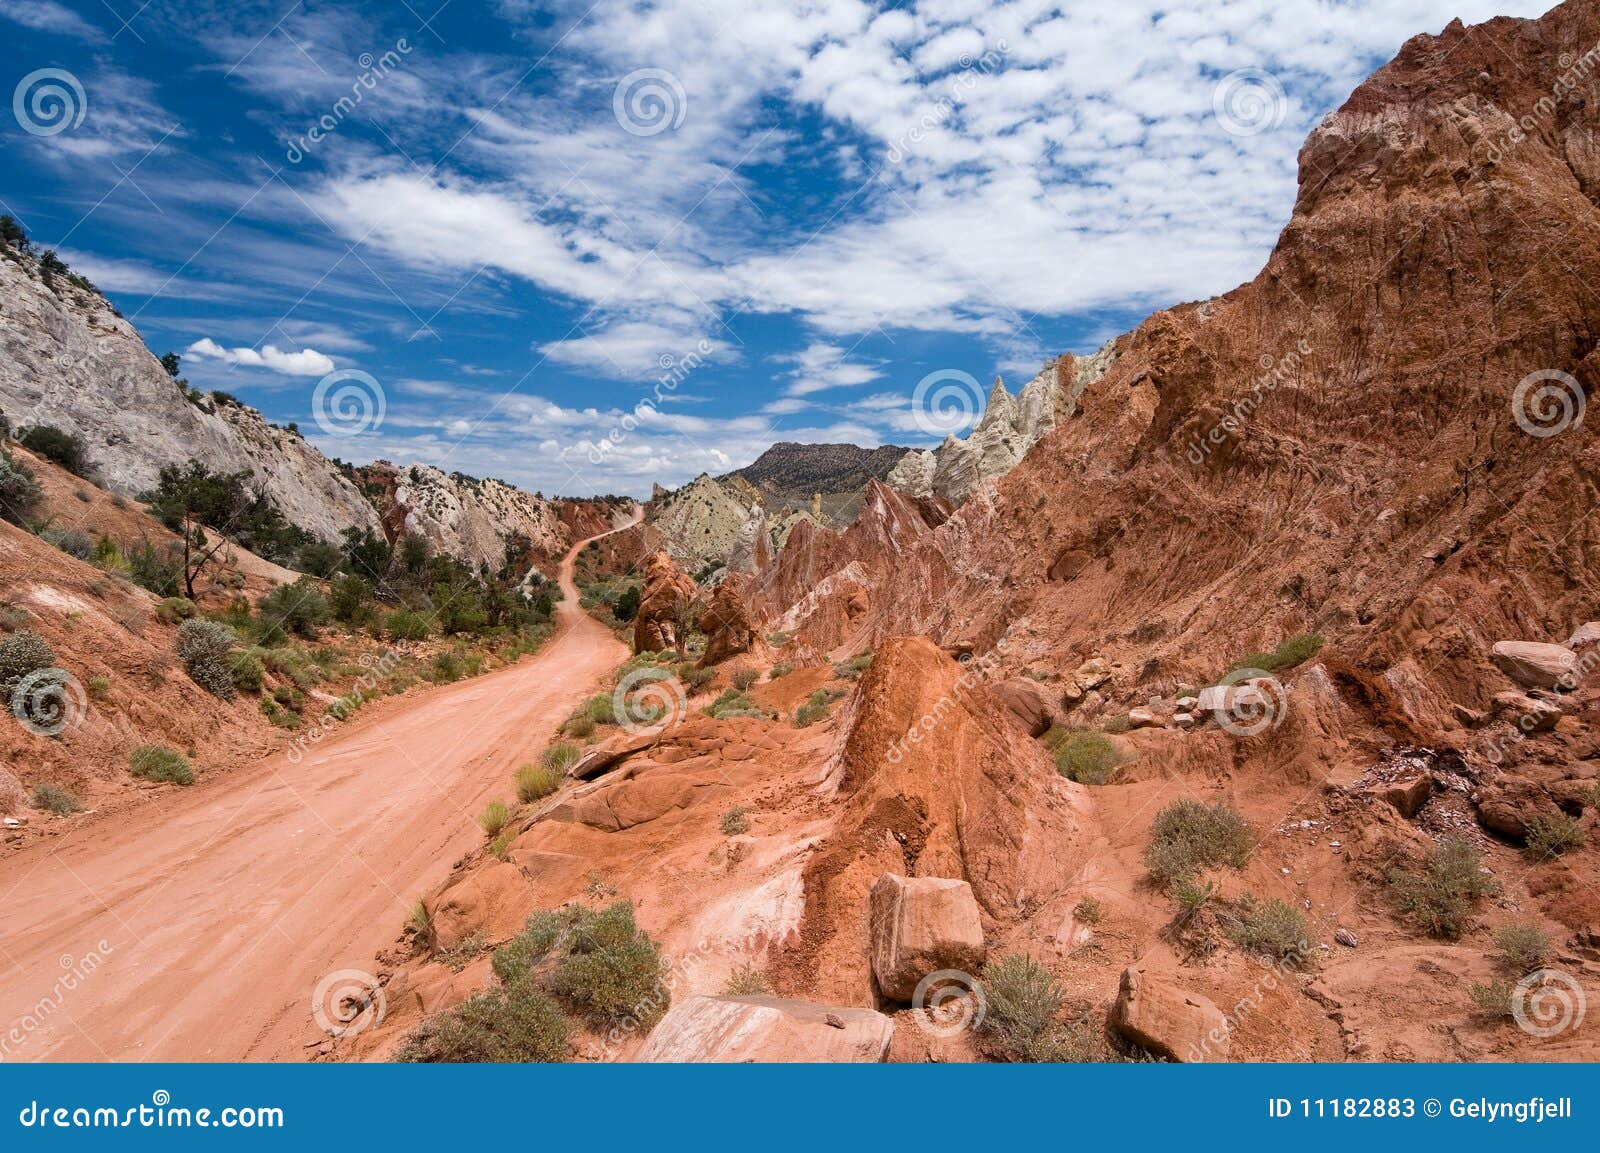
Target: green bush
74,542
406,625
745,981
560,757
248,673
159,763
1088,758
494,817
353,600
1089,911
734,822
743,679
1550,835
516,1023
809,714
1522,948
733,703
55,799
1296,650
852,669
534,782
1440,897
20,494
598,963
157,570
1493,998
297,608
446,668
175,609
580,726
21,653
1020,1023
57,445
1270,928
206,650
1189,837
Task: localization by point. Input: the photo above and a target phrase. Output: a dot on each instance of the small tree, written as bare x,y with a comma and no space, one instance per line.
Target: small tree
171,362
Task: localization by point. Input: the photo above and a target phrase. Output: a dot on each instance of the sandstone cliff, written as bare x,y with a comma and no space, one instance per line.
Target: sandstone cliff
68,359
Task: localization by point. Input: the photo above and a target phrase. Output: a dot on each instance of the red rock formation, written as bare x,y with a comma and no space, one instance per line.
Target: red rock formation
667,594
729,627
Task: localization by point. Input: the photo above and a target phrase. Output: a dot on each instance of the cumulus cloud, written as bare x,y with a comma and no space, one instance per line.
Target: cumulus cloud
306,362
820,367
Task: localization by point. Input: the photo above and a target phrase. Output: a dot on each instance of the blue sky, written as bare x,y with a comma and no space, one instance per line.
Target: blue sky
515,218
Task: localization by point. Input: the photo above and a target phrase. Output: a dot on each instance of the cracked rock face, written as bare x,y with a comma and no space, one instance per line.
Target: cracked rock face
67,359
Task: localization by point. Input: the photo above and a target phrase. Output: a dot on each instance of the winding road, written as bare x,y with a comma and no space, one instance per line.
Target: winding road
197,928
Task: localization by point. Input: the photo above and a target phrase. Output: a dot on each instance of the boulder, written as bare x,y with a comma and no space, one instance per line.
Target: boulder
920,925
492,902
767,1029
607,755
1510,805
1025,700
1586,636
1168,1022
1528,714
1408,797
1145,719
1093,673
1534,664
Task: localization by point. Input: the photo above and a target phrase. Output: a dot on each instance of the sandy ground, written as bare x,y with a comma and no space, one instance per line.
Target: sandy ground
198,927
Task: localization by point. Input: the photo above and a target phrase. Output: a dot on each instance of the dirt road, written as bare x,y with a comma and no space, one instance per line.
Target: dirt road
197,929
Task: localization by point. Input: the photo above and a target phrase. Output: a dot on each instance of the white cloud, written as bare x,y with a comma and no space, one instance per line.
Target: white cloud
48,16
306,362
820,366
635,348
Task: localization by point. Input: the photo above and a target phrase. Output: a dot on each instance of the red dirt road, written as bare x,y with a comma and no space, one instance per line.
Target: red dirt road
196,927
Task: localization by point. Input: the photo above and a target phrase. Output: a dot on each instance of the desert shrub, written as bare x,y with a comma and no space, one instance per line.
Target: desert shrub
446,668
57,445
1117,724
1024,1002
494,817
1085,757
780,670
1296,650
159,763
406,625
515,1023
852,669
537,781
602,707
298,608
463,953
695,679
319,558
1522,948
175,609
157,570
744,678
98,686
745,981
735,822
560,756
810,713
1439,898
1271,928
74,542
21,653
1089,911
1493,998
1191,893
247,672
733,703
1552,834
20,494
206,650
1188,837
580,726
13,617
627,604
598,963
55,799
352,600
